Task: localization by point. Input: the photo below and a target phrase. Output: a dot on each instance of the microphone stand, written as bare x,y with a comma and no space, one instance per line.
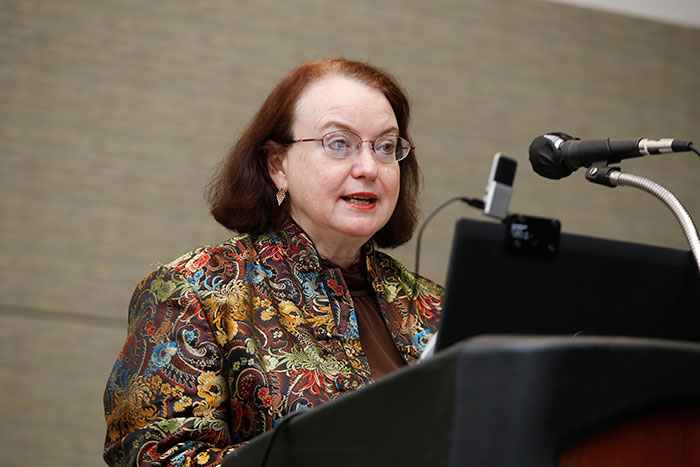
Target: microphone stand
613,176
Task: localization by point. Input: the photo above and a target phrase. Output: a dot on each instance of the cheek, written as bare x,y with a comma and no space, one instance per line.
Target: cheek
326,180
316,184
392,182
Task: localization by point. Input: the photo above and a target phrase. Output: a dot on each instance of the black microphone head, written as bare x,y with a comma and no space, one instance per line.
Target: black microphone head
546,159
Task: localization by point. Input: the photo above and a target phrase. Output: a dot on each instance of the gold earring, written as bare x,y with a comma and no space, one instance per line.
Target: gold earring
281,194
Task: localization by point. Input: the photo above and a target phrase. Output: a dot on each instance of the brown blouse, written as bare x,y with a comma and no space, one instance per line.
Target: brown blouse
382,355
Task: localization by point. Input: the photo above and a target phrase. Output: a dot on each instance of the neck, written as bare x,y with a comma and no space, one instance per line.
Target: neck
342,250
343,254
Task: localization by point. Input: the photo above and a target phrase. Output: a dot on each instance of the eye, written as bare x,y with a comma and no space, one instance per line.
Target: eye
337,142
385,146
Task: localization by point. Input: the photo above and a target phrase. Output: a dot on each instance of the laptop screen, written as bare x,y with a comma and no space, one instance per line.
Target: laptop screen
590,286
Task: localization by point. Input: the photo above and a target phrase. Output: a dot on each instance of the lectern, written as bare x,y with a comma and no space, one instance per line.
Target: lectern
506,401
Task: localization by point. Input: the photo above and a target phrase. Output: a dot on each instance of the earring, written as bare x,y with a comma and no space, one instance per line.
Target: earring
281,194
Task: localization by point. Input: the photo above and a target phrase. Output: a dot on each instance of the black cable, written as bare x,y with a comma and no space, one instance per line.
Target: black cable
694,149
275,431
477,203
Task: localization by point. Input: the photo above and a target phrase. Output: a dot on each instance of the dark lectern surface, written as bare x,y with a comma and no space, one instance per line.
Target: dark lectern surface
490,401
591,286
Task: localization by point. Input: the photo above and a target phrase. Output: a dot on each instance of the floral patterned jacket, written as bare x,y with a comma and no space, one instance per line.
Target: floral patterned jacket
226,340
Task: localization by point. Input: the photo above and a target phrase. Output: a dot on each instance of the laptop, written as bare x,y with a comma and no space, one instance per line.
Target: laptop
567,284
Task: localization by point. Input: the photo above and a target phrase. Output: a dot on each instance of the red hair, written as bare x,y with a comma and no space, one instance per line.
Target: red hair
242,196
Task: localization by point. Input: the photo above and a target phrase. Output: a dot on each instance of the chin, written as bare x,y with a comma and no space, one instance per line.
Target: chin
363,230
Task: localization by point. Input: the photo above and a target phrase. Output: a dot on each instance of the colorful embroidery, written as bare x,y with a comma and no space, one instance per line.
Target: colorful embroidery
226,340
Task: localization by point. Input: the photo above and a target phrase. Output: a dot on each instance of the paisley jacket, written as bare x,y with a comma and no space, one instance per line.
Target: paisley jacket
226,340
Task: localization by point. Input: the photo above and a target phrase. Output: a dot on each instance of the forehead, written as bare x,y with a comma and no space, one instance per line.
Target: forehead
343,101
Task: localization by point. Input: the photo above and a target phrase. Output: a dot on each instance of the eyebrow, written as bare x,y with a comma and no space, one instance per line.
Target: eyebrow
343,126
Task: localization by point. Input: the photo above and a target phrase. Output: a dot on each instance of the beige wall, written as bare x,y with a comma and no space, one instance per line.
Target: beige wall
114,113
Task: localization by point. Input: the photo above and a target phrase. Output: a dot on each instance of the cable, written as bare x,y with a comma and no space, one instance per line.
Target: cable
477,203
275,431
694,149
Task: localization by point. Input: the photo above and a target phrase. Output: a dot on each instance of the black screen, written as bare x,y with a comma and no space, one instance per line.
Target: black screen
591,286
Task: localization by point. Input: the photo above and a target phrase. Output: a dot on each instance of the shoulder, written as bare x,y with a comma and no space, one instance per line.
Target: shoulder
234,249
241,249
241,259
382,267
183,281
190,267
208,267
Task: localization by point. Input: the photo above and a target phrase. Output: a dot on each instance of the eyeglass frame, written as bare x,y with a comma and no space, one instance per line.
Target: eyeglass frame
358,148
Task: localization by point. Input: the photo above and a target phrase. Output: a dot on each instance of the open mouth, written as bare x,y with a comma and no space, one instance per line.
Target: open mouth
362,200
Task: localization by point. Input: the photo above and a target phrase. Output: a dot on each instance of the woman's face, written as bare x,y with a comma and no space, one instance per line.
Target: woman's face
334,200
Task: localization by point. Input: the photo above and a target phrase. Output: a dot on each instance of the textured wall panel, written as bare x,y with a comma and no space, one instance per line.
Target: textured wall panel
115,113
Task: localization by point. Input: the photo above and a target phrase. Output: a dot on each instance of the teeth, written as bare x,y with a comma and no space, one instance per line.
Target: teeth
357,200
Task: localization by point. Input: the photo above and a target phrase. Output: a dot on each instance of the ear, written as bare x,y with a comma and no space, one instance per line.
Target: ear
277,164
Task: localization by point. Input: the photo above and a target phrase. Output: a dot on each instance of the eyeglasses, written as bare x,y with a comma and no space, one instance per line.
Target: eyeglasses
343,144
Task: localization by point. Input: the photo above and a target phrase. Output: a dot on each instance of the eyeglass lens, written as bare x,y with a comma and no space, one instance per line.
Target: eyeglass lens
388,148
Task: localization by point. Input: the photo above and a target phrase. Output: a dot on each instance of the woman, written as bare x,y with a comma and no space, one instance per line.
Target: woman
299,308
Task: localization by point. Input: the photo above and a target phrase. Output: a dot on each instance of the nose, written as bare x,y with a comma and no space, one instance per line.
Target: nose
365,165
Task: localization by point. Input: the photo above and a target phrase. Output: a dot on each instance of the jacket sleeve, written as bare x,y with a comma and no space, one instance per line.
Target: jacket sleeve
166,401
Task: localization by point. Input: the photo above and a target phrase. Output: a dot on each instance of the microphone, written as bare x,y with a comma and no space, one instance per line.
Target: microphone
500,186
557,155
